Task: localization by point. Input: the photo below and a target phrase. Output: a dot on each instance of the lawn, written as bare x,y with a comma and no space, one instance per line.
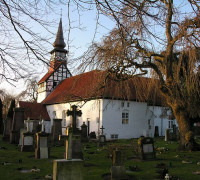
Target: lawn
97,161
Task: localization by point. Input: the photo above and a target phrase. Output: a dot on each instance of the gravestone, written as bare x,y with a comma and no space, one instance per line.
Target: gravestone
56,129
102,137
167,131
70,167
146,148
117,170
42,151
7,129
27,139
156,133
22,130
84,134
17,124
35,127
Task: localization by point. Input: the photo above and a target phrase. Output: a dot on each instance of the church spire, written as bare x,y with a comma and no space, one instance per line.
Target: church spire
59,42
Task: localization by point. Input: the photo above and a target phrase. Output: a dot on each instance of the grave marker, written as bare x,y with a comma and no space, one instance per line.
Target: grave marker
102,137
146,148
27,139
117,170
17,124
56,129
71,167
42,150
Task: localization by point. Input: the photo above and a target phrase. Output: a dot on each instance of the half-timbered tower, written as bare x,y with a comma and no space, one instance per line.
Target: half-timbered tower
58,70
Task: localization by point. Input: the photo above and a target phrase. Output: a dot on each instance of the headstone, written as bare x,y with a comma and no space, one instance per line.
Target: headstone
102,137
67,169
146,148
17,124
117,170
70,167
35,126
74,113
56,130
156,133
42,150
22,130
7,129
27,139
167,131
84,134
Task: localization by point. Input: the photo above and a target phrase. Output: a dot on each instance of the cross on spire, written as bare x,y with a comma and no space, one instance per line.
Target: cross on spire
74,113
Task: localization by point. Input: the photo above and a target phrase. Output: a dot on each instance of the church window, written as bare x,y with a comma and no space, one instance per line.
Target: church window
114,136
170,124
127,104
122,104
125,117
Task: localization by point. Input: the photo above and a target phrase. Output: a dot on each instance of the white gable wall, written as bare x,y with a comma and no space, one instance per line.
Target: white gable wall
112,119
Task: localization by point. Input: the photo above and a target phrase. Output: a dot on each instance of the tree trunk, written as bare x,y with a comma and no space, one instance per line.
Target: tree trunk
187,141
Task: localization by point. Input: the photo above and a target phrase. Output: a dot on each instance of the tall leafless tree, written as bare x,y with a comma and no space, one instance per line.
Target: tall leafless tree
161,37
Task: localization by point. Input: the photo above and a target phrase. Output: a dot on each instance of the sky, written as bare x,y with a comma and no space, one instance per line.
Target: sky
82,32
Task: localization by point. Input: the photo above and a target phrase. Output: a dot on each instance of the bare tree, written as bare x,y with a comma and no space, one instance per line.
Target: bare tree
22,47
30,93
161,37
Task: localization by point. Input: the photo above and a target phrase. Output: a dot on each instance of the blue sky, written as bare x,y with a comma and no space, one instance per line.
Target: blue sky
81,35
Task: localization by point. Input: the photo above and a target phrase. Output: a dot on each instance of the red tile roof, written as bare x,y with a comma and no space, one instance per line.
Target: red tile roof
94,85
34,110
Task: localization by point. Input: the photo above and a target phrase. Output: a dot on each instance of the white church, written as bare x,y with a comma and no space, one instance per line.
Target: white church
122,108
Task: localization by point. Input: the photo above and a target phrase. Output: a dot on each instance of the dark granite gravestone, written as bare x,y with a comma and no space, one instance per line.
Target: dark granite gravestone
7,129
146,148
74,113
167,131
117,170
84,134
17,124
35,126
156,133
71,167
56,129
42,151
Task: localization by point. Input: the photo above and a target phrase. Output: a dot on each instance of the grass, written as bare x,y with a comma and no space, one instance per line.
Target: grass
98,162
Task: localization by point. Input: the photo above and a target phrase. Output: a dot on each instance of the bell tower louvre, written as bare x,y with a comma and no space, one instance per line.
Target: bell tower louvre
58,70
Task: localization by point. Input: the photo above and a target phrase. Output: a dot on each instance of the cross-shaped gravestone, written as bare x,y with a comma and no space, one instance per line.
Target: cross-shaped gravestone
102,128
28,124
74,113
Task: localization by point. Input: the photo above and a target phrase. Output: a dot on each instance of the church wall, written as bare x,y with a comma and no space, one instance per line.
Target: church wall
112,119
90,112
41,96
161,118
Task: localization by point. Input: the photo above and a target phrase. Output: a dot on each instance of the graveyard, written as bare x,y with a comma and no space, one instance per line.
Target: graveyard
98,160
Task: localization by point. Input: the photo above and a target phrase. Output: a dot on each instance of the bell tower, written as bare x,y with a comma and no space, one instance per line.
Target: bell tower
58,70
